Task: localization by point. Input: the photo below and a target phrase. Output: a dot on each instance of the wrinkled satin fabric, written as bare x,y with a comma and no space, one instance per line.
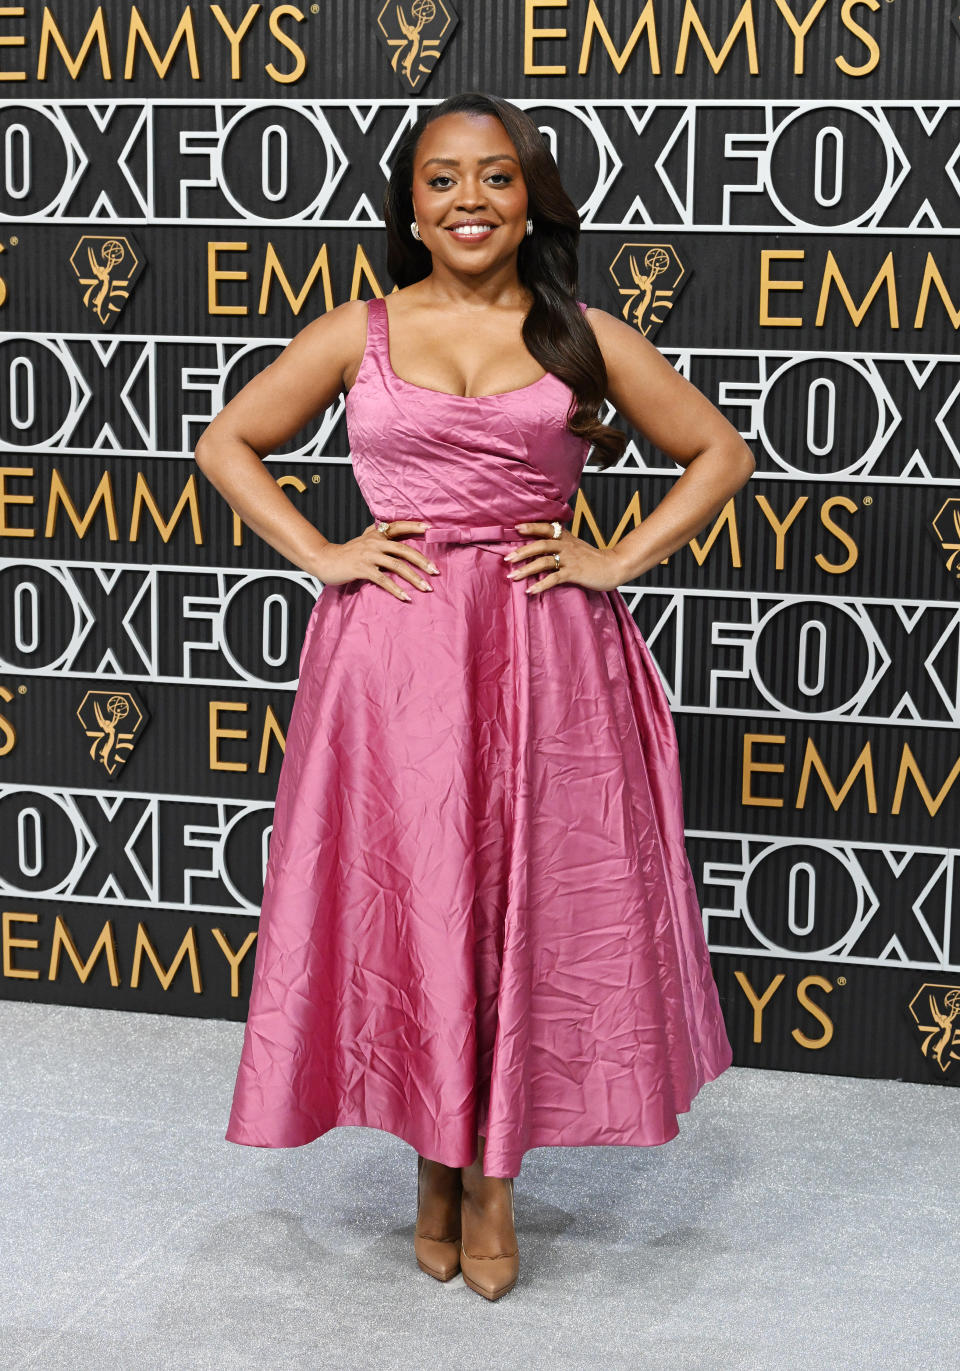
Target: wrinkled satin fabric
478,912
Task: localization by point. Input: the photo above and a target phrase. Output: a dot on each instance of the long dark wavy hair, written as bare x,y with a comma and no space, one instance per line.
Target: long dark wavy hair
554,330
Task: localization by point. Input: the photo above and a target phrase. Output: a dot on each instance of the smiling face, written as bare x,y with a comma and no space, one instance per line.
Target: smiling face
466,172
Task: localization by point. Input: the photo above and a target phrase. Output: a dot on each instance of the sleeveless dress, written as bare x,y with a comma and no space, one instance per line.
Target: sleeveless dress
478,913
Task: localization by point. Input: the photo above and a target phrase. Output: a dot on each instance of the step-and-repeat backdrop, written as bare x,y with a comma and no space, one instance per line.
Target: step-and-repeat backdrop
769,192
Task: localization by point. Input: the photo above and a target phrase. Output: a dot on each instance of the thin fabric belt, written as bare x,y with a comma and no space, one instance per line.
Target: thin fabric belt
488,533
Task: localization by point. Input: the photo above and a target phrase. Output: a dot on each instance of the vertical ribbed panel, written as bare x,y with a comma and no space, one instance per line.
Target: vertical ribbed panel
805,668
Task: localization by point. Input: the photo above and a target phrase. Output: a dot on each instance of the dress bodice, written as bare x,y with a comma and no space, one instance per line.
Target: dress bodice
426,454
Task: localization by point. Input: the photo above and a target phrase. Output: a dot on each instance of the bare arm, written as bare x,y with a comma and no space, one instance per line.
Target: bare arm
681,421
270,409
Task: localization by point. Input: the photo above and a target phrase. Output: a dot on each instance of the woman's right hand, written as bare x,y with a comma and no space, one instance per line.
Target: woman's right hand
373,554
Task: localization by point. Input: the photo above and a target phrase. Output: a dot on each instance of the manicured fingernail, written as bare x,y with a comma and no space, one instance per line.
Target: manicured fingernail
512,575
435,570
404,595
509,556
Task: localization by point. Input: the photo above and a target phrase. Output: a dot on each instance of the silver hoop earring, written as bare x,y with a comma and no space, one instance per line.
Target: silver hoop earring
415,230
529,226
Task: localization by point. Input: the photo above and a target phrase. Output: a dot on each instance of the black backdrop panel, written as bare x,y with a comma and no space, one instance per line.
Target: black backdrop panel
178,198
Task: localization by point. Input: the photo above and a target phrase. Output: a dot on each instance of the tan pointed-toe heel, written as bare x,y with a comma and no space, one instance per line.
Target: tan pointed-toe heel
438,1254
491,1276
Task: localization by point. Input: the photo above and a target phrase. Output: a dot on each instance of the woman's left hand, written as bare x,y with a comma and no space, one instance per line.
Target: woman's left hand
593,568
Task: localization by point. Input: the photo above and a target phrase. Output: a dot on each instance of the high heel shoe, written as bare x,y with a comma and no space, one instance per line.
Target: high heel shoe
437,1254
490,1276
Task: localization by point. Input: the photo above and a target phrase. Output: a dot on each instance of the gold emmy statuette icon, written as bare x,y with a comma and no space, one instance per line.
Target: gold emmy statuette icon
935,1010
636,268
415,36
111,719
946,525
106,268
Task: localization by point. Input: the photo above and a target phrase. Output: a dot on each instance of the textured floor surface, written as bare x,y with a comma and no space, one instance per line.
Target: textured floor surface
800,1222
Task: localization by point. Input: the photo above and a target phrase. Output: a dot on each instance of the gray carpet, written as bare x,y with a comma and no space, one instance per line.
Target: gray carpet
796,1222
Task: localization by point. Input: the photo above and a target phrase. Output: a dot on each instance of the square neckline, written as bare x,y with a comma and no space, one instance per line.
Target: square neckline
429,390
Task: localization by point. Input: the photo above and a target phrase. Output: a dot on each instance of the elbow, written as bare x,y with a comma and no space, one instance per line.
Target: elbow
748,463
201,451
734,464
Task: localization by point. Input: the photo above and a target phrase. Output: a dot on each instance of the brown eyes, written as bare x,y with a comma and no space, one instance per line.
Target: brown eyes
499,175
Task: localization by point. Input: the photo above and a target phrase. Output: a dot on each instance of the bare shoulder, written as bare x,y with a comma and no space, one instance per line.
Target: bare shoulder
630,357
319,362
334,340
624,347
613,332
653,396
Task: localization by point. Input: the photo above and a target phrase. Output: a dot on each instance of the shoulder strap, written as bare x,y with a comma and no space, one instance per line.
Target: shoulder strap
376,322
375,353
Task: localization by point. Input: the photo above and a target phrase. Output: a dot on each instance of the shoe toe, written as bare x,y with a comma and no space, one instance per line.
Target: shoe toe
490,1276
439,1257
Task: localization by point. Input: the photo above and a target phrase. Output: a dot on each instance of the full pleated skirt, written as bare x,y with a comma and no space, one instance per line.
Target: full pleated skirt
478,912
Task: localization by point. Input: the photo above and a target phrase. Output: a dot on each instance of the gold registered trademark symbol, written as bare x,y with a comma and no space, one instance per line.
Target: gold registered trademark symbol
841,980
21,690
868,499
314,9
315,478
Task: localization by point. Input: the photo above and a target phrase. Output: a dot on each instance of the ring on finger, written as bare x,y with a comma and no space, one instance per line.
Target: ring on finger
556,558
557,528
382,525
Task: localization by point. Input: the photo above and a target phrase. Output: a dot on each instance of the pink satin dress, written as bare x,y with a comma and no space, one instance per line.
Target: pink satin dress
478,913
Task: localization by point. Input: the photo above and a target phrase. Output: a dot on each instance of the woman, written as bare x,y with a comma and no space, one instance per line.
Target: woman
479,928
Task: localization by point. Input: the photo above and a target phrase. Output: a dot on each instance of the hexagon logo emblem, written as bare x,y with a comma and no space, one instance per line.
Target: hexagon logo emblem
106,266
111,719
414,37
946,526
649,278
935,1010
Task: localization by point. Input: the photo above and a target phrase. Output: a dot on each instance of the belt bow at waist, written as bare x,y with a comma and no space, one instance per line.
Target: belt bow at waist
483,533
487,533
